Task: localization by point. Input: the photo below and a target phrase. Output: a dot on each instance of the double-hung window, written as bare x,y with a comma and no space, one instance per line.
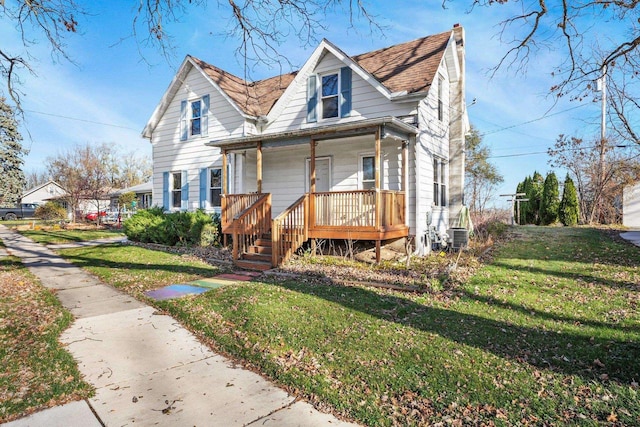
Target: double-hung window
195,124
329,95
215,186
176,189
439,182
330,106
194,118
368,172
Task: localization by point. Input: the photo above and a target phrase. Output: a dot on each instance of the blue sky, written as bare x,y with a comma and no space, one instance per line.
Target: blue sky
111,89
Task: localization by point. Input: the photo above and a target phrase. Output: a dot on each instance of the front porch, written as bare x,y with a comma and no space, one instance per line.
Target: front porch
350,215
262,238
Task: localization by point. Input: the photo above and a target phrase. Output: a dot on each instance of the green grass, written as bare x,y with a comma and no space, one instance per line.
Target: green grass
547,334
136,269
35,370
48,237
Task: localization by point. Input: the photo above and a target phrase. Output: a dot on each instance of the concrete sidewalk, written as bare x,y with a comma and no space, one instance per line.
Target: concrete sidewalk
146,368
632,236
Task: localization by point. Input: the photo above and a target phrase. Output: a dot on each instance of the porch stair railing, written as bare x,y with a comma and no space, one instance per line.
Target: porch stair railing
250,226
290,230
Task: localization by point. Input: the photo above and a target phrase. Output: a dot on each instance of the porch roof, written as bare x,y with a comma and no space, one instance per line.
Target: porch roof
390,127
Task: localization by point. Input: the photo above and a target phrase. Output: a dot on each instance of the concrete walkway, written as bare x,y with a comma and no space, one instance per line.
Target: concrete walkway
146,368
632,236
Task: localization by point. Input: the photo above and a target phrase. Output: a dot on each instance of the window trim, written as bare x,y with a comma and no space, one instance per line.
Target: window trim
210,188
197,118
322,97
440,198
361,180
173,191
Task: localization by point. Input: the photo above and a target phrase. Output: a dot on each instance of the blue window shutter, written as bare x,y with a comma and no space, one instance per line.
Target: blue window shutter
204,126
185,192
183,120
312,99
345,91
203,188
165,191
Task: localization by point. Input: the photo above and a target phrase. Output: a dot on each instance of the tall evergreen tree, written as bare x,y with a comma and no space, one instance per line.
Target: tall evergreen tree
569,211
550,200
12,180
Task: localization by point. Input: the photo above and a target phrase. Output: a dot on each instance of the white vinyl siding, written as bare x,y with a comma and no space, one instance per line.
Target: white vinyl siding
170,153
366,101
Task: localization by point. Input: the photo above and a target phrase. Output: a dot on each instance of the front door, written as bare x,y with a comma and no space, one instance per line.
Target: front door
323,174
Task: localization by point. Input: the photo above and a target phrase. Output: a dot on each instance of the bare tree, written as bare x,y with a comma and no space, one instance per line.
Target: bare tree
36,177
91,172
258,27
592,38
481,177
599,185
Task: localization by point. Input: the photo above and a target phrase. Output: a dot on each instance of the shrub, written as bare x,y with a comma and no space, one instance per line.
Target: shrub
144,225
211,233
50,211
176,228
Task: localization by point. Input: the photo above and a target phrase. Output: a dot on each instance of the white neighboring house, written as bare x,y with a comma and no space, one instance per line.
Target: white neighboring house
364,147
41,193
631,206
143,195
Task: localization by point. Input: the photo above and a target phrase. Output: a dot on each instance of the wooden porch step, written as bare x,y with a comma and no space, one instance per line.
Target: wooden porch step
264,257
253,265
264,241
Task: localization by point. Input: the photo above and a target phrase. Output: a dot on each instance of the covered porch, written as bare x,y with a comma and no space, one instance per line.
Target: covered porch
298,196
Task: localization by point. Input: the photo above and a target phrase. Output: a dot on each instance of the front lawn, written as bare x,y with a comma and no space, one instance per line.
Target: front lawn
36,372
48,237
547,334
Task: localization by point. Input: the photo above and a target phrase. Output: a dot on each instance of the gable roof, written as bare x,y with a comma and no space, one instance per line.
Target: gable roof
254,98
405,68
409,66
38,187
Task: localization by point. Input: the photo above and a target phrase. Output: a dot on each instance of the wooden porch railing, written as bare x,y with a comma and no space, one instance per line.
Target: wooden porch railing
357,209
233,205
290,230
251,224
364,214
392,210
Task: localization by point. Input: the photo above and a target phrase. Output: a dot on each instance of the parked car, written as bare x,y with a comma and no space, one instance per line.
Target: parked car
93,216
21,210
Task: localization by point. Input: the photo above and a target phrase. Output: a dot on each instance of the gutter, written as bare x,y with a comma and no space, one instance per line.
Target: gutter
319,132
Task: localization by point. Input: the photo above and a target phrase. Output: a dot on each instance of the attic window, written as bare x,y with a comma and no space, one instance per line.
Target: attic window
196,118
330,96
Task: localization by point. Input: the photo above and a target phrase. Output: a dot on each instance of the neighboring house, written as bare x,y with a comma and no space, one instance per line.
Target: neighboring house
143,195
41,193
365,147
631,206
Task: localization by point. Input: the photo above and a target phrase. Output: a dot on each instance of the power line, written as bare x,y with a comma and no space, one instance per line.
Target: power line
546,116
81,120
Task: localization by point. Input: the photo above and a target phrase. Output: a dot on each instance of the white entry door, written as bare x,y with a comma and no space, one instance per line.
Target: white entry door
323,174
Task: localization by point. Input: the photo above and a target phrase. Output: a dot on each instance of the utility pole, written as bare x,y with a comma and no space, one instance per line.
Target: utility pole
602,86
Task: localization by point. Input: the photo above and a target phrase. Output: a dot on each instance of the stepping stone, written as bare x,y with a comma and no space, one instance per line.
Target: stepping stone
175,291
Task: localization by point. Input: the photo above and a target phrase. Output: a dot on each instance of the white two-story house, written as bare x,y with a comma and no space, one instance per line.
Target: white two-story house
364,147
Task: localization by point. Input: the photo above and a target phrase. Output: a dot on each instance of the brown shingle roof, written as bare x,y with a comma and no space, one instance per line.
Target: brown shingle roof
407,67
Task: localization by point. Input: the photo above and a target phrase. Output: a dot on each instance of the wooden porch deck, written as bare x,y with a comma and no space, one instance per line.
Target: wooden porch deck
376,215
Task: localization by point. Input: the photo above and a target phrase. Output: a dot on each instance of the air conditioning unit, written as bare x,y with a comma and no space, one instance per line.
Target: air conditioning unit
459,237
